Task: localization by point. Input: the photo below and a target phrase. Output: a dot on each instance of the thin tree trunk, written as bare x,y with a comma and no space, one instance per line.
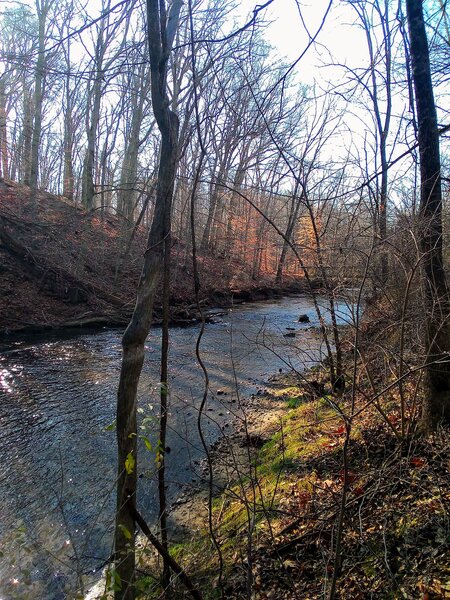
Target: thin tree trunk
42,10
293,214
437,303
230,238
128,176
68,179
88,186
208,233
4,161
136,333
27,134
92,121
165,581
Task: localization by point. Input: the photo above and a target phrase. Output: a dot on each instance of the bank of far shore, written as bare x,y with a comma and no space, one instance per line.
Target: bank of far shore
64,268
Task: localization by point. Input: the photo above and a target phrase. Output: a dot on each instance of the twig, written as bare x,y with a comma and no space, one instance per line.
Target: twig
176,568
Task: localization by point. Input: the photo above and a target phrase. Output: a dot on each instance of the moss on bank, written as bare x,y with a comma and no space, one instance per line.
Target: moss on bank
275,519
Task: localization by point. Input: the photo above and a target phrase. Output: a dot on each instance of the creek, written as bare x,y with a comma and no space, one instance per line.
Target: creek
57,398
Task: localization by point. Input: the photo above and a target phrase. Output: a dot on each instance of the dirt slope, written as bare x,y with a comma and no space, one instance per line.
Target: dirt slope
61,265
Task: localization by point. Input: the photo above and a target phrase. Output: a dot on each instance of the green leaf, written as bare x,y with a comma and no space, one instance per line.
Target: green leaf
113,581
130,463
111,426
147,443
117,581
126,532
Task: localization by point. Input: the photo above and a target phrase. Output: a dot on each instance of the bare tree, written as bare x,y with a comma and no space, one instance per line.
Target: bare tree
18,50
42,9
161,31
436,295
136,89
101,73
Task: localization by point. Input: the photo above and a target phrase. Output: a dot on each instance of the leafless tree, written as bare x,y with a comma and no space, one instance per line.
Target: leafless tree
436,295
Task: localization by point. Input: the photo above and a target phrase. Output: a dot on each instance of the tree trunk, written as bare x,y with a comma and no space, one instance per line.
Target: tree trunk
208,233
436,296
292,220
138,328
230,238
68,179
27,134
128,176
92,121
42,10
4,161
88,186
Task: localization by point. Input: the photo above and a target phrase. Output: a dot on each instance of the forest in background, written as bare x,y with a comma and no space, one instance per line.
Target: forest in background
235,161
317,162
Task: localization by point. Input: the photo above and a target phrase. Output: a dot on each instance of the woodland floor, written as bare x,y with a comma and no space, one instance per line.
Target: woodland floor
62,266
278,484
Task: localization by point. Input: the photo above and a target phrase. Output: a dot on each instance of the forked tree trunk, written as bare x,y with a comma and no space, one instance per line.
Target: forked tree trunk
160,34
436,296
292,221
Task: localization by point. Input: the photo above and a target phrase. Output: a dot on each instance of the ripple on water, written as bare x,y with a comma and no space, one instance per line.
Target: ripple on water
58,463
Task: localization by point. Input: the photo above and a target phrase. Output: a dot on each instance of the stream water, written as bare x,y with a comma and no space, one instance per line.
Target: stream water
57,398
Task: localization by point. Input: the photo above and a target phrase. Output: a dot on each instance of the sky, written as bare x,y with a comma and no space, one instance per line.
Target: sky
287,33
339,36
341,39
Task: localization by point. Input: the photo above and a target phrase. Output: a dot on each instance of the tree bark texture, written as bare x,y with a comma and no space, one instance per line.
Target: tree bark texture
68,177
292,221
437,306
126,195
95,96
26,135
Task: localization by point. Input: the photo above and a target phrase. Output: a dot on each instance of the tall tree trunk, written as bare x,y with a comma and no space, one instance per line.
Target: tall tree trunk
88,185
92,121
4,159
27,134
292,220
217,189
42,11
160,36
68,179
128,176
230,238
436,295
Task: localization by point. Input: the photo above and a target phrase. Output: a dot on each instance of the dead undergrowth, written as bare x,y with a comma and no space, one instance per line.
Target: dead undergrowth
281,493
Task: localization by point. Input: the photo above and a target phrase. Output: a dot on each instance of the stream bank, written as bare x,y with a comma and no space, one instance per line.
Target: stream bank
62,267
277,498
181,315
